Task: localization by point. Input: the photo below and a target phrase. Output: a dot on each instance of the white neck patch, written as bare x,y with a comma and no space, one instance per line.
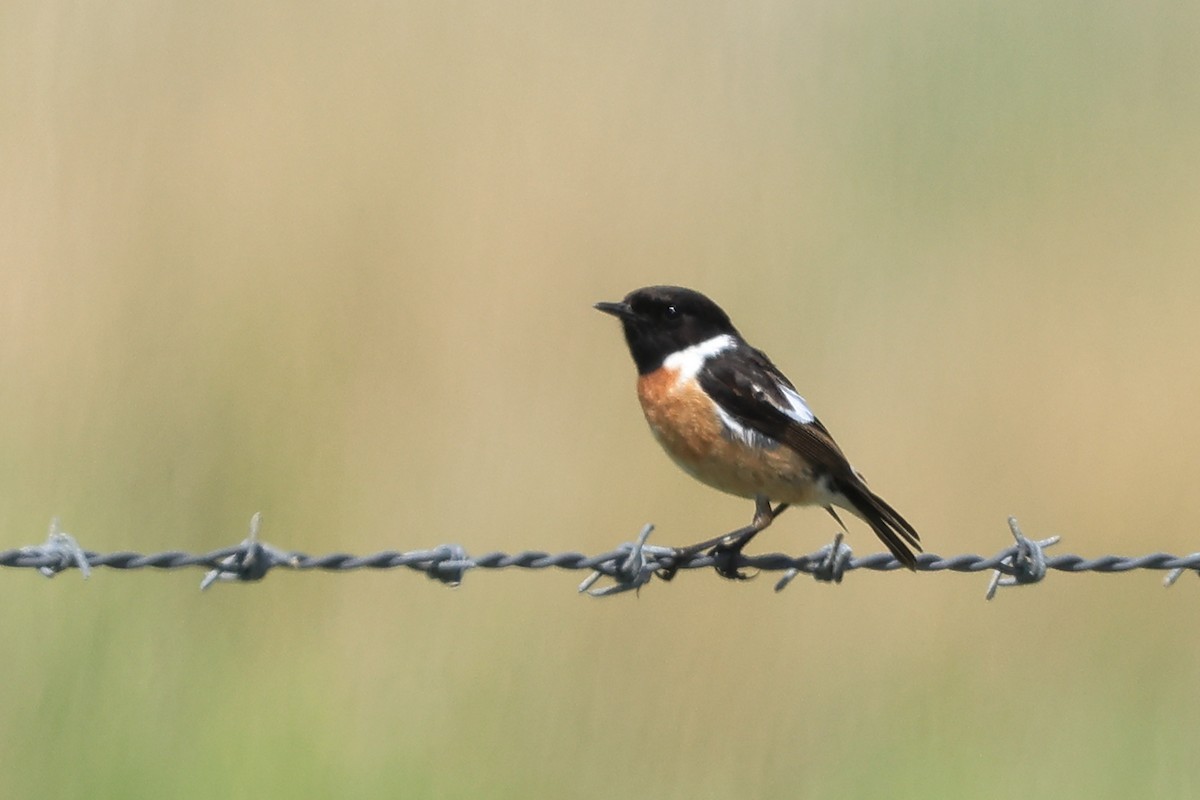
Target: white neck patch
688,362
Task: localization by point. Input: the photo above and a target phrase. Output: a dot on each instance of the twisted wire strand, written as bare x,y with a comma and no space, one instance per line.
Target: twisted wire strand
628,567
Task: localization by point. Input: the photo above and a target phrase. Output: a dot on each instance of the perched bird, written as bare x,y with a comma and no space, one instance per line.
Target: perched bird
731,419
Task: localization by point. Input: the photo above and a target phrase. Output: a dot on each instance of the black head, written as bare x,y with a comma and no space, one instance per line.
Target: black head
660,320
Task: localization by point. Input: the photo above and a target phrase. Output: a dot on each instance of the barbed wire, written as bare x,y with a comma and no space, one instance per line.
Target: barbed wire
629,567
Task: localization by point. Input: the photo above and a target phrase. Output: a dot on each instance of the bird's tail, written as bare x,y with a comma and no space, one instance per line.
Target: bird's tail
891,528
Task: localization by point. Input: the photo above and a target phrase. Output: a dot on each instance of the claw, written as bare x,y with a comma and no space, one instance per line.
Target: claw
667,573
724,556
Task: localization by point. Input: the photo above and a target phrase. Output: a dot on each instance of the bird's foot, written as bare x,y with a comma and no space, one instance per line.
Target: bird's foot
725,557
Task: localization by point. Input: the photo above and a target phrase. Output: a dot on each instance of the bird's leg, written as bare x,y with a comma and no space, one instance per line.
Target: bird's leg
730,544
733,543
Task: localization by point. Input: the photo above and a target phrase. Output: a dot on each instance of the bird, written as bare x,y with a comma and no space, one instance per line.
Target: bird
730,418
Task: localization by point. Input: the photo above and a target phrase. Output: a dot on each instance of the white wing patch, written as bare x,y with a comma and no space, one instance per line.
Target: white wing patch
740,433
798,409
687,363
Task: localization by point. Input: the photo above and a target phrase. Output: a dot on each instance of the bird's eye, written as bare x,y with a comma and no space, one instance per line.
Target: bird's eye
670,312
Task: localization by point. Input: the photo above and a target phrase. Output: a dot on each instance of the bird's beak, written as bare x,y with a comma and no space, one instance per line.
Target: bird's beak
618,310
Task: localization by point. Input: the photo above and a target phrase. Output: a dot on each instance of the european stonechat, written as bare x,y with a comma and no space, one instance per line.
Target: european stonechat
731,419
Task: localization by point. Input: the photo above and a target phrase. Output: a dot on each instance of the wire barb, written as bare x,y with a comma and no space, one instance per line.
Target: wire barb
633,571
251,560
449,565
1177,573
1026,561
60,552
827,565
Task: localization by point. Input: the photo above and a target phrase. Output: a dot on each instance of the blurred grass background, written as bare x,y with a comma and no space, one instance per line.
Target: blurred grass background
334,262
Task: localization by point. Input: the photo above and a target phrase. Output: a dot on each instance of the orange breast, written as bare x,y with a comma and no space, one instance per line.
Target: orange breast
685,422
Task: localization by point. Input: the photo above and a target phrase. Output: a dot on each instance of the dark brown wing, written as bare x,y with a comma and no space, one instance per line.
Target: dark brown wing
757,396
